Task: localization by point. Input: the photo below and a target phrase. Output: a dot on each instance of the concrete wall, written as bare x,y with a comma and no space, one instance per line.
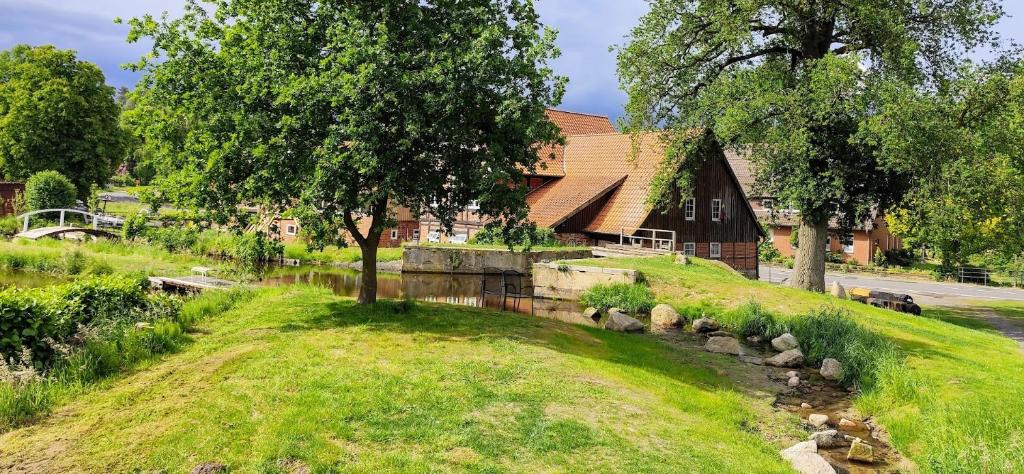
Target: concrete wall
552,280
470,260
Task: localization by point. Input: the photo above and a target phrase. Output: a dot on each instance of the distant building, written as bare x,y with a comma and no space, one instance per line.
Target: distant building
594,191
858,244
407,230
8,194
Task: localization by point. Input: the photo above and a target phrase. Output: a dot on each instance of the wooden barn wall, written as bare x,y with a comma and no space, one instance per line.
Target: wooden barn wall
736,227
582,219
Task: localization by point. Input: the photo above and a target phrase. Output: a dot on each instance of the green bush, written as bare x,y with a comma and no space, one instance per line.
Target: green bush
255,248
135,226
49,190
769,252
9,226
633,298
526,237
174,239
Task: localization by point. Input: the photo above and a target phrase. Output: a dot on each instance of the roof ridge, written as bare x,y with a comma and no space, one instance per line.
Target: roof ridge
579,113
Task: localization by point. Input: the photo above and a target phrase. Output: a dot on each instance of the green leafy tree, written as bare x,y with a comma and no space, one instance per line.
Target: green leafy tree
351,108
57,113
791,83
49,190
964,147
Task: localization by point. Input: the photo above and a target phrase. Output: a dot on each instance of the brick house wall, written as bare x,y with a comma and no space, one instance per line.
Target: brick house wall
8,193
865,243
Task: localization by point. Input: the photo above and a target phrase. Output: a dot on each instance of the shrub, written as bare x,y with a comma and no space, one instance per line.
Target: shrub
9,226
527,237
49,190
769,252
254,248
135,226
633,298
174,239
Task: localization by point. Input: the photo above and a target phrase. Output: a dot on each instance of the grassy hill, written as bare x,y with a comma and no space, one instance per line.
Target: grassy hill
955,404
299,377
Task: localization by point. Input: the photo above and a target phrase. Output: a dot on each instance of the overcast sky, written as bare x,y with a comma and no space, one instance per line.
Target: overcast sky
586,30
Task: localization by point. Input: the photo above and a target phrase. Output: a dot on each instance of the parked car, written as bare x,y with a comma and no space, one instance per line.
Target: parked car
459,239
434,237
882,299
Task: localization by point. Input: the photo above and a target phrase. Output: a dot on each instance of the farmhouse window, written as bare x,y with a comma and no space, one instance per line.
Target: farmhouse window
716,250
690,209
716,210
690,249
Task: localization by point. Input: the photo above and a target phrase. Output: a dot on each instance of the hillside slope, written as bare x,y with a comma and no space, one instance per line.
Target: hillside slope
301,378
955,405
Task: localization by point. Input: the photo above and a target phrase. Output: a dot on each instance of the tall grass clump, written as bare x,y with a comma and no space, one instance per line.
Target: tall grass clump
58,340
752,319
9,226
633,298
832,333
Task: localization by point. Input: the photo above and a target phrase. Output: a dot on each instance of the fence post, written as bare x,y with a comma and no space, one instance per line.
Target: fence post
62,218
24,228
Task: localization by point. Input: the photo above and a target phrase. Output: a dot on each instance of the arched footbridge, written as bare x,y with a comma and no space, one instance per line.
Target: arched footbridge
93,224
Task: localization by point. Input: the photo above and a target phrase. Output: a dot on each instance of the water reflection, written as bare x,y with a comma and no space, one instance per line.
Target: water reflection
461,290
21,279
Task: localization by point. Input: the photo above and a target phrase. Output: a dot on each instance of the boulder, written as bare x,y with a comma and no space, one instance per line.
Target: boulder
793,382
752,360
806,405
755,339
792,373
664,316
831,369
805,459
826,439
785,342
861,452
844,423
838,291
706,325
723,345
682,259
817,420
790,358
622,323
592,314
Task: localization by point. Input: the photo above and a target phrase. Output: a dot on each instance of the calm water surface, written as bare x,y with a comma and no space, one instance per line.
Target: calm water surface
20,279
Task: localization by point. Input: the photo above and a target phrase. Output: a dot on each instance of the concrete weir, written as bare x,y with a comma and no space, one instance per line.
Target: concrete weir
568,282
475,261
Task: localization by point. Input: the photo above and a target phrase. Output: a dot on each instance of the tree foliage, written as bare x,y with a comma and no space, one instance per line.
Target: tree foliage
350,108
791,84
57,113
964,147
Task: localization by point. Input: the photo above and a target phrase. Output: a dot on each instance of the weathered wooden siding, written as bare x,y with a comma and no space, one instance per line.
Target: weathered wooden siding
8,191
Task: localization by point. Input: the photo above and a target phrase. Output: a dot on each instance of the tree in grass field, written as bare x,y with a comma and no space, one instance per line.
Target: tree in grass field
793,84
350,108
57,113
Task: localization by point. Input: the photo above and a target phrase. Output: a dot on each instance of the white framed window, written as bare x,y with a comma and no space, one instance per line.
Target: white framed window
291,229
716,210
416,234
690,249
690,209
847,242
394,234
716,250
474,205
767,203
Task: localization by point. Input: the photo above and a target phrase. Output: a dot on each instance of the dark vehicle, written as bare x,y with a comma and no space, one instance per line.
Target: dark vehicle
882,299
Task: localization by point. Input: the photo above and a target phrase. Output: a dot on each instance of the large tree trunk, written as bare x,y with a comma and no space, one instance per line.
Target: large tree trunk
368,288
809,267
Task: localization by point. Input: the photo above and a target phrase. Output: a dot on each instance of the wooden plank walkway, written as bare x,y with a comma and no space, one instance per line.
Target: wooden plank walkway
191,283
36,234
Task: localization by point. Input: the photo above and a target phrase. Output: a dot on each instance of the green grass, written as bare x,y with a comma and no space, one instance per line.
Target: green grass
299,376
336,255
953,405
103,256
634,298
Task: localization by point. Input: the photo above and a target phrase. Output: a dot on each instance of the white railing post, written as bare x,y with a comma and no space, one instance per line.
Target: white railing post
62,218
95,221
25,227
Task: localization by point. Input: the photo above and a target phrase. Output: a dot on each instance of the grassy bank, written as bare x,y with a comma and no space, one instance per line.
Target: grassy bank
100,257
332,255
298,377
952,401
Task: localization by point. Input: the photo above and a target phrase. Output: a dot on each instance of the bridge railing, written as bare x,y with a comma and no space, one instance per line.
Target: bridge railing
63,214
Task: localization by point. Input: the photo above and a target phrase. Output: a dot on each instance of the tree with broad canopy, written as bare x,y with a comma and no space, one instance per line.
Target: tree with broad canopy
349,108
792,84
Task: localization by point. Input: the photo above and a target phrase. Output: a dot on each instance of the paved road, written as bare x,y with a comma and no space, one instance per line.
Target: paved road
924,292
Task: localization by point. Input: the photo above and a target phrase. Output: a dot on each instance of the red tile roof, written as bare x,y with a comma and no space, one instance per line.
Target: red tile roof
572,124
741,167
553,203
611,155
